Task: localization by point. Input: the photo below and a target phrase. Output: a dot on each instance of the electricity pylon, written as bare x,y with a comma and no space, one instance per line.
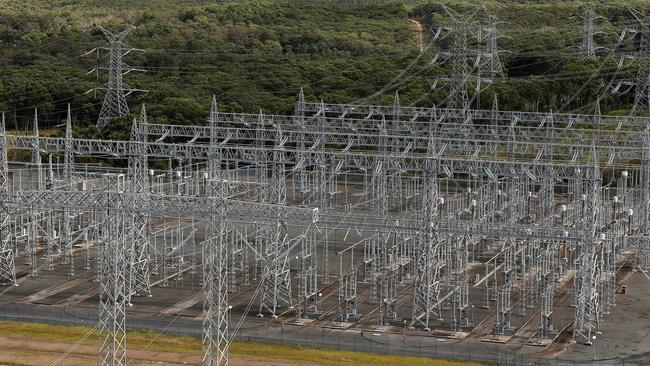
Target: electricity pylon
114,104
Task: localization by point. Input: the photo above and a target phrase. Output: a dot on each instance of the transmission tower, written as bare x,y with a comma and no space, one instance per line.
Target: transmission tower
474,56
642,92
114,104
490,61
588,46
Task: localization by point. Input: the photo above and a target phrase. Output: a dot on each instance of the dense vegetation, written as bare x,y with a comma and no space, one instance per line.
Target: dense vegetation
257,54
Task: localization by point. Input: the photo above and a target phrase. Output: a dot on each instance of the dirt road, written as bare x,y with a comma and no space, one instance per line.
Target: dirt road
417,26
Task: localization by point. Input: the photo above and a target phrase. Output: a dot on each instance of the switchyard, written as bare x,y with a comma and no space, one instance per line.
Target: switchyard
503,227
486,224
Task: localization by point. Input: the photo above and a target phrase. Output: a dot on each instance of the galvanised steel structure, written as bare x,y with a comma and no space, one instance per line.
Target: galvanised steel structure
473,56
588,45
455,219
114,104
483,223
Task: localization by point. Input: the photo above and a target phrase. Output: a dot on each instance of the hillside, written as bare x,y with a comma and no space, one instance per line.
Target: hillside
257,54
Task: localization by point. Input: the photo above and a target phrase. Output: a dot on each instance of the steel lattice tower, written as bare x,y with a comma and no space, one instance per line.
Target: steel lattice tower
68,162
491,62
299,119
644,178
474,56
426,304
276,280
33,216
588,46
586,279
114,104
214,161
68,158
113,296
137,176
642,92
458,98
7,266
215,287
215,259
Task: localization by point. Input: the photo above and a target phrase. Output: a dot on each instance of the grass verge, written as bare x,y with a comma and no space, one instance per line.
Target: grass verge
183,344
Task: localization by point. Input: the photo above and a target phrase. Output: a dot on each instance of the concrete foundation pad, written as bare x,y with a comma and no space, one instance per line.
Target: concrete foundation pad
496,339
299,322
537,343
449,334
338,325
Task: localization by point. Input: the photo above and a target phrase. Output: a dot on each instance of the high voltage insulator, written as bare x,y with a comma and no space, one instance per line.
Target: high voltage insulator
115,104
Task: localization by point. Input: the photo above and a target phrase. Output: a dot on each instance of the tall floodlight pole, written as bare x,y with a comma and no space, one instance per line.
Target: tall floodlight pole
114,104
7,265
139,262
68,158
33,216
214,161
300,169
68,162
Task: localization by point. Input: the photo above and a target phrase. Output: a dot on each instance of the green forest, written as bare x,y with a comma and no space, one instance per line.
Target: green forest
256,55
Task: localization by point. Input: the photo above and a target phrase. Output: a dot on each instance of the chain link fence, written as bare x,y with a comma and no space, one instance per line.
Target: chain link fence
314,337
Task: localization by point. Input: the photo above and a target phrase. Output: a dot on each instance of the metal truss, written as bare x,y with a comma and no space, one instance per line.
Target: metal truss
115,104
114,291
215,289
588,46
276,279
137,177
7,266
427,194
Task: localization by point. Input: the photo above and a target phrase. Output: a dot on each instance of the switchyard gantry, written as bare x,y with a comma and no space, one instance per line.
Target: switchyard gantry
486,224
452,218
